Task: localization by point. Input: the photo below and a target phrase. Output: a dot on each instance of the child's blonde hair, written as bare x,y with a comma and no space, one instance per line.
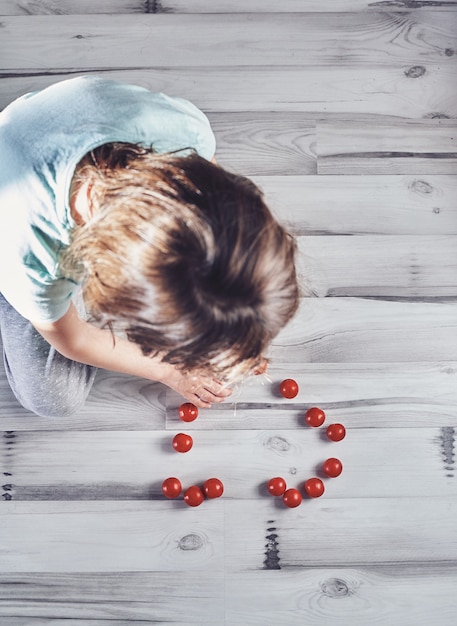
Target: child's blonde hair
183,257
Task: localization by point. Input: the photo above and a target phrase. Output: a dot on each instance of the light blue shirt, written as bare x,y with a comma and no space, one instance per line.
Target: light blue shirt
43,135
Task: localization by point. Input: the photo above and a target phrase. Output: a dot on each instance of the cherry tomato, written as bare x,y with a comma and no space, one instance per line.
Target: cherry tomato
213,488
288,388
314,487
336,432
314,417
188,412
332,467
193,496
292,498
182,442
276,486
171,487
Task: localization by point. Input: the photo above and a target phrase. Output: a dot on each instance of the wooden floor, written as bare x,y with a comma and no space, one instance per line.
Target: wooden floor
344,112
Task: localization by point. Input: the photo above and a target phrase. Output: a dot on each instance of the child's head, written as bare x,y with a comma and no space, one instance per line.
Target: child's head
184,257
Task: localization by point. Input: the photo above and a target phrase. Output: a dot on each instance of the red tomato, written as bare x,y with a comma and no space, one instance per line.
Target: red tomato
188,412
332,467
213,488
276,486
182,442
193,496
292,498
314,417
336,432
314,487
288,388
171,487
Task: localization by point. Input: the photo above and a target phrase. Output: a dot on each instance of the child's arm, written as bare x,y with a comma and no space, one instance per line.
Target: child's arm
81,341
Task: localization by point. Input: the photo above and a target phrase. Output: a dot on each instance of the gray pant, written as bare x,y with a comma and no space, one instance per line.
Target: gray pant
43,380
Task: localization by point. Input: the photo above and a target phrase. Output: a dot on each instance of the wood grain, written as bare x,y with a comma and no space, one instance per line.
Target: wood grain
370,266
350,330
346,533
72,7
265,143
420,147
344,113
329,89
364,205
358,394
317,594
110,537
114,598
120,41
338,596
132,466
351,532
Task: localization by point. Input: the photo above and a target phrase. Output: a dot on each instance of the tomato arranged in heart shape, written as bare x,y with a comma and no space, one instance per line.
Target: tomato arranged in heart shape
314,487
315,417
171,487
193,496
292,498
288,388
213,488
336,432
332,467
187,412
182,442
276,486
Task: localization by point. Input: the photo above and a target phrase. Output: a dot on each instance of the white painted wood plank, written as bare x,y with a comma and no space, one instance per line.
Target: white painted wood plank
342,533
69,7
135,41
44,621
364,395
119,598
417,147
252,598
115,401
409,405
87,537
127,402
335,89
342,596
358,205
383,266
122,536
265,143
132,466
336,330
359,395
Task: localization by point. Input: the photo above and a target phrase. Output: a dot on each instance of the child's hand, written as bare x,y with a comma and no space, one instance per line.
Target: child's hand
200,389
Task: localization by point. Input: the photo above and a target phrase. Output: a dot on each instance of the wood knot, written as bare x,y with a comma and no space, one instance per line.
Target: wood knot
190,542
278,444
335,588
415,72
421,186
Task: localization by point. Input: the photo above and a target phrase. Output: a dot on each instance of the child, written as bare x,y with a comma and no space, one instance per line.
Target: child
113,190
